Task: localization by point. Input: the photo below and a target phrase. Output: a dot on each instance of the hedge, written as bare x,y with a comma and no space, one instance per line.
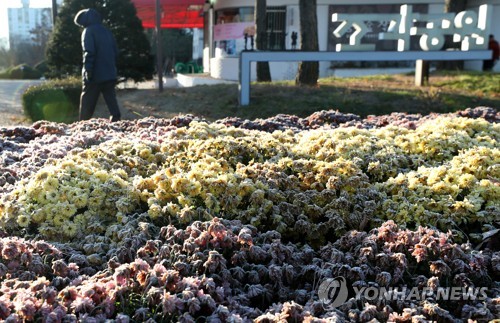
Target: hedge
21,72
55,100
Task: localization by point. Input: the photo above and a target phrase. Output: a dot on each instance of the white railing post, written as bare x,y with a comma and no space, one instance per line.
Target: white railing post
244,79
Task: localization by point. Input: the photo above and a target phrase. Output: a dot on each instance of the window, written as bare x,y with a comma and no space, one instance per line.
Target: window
276,24
232,31
235,28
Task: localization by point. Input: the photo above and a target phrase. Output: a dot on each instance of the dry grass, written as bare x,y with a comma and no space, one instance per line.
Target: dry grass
363,96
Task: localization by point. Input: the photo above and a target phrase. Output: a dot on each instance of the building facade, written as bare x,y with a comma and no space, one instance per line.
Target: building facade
25,19
229,29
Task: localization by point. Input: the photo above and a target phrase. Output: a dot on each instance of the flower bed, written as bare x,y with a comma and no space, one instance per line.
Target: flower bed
182,219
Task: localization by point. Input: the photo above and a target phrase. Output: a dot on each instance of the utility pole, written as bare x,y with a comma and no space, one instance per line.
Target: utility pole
54,13
159,58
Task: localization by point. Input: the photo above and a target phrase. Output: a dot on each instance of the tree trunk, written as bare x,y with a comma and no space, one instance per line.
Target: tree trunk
263,71
308,71
454,6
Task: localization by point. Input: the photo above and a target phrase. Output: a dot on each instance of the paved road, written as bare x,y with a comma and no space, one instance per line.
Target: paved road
11,109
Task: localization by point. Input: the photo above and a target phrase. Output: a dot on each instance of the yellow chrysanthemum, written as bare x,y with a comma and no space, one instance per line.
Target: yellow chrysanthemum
38,216
172,208
52,196
58,220
23,220
69,229
51,183
154,211
80,200
101,175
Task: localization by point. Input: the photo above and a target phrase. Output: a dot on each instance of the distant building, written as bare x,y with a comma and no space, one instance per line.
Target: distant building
4,42
23,20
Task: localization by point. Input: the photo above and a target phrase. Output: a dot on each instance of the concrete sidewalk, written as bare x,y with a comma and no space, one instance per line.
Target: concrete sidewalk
180,80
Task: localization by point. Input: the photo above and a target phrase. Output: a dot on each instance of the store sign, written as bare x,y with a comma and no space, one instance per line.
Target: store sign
233,30
468,28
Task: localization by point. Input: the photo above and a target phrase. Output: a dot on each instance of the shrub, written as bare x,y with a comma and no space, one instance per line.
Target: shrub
42,68
23,72
55,100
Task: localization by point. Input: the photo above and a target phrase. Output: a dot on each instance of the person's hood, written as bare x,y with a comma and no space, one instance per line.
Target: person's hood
87,17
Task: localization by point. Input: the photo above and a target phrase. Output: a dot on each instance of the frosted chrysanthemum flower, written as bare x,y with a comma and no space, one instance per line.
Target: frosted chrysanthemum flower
80,200
121,173
152,201
155,211
246,187
69,229
41,197
38,215
180,184
194,189
26,309
211,201
169,303
257,197
186,214
145,153
161,194
440,188
52,196
11,250
42,175
124,204
84,185
69,194
50,184
81,220
58,220
23,220
464,206
172,208
95,203
101,175
185,200
466,180
83,305
67,209
47,230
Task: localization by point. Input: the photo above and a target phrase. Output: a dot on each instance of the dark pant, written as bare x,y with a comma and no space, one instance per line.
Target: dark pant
488,65
90,95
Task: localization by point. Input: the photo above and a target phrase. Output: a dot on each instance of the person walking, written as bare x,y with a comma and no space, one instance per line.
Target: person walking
99,74
495,49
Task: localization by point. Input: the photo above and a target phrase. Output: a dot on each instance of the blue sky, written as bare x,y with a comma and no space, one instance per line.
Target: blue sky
4,4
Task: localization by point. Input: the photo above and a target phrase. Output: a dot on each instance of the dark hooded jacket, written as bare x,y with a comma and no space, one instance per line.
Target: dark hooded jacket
99,48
